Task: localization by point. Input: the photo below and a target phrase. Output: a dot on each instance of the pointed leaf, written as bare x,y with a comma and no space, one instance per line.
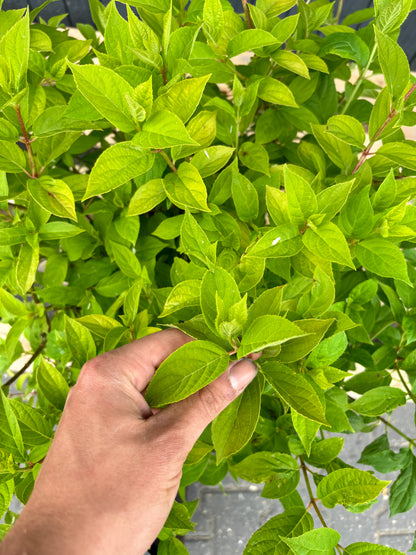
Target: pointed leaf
267,331
185,371
295,390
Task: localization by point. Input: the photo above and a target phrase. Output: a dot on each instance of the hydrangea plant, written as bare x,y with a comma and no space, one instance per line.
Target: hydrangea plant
150,177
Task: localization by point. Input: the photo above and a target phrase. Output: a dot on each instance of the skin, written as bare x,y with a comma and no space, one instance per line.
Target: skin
112,473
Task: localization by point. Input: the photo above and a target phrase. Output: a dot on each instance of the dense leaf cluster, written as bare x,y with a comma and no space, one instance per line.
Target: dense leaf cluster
149,178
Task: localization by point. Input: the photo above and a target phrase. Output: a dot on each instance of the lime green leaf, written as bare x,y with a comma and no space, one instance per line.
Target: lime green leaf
212,159
147,197
80,341
14,50
58,230
269,302
198,452
292,62
306,430
402,154
295,390
169,228
213,16
280,242
284,28
163,130
53,195
245,197
385,194
383,258
10,434
185,371
173,99
255,157
126,260
217,283
99,324
300,197
295,349
12,158
328,351
52,384
314,62
195,242
364,292
365,548
348,129
393,63
249,40
338,151
26,267
106,91
186,188
6,496
321,541
327,241
379,400
267,331
262,465
185,294
202,128
172,546
234,427
116,166
274,91
346,45
349,486
380,114
179,519
325,450
12,305
35,428
357,216
403,491
267,539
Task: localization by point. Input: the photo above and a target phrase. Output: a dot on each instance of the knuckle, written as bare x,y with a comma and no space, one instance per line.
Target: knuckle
92,372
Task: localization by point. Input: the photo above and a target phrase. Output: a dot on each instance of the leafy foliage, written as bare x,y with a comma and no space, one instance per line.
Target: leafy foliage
149,178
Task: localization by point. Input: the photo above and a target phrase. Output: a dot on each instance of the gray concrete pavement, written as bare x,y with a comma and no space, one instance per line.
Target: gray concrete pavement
226,520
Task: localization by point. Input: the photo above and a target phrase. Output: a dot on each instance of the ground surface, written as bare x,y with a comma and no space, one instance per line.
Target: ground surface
225,522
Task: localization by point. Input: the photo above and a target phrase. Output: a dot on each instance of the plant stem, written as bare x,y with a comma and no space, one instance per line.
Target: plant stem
311,496
166,158
360,80
19,206
247,14
382,329
27,142
27,364
379,131
182,8
340,4
237,133
402,434
408,391
163,73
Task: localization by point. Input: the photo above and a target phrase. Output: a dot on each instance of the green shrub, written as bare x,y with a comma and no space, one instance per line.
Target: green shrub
146,181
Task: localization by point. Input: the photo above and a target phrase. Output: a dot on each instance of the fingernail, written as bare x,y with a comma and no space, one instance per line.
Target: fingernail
242,373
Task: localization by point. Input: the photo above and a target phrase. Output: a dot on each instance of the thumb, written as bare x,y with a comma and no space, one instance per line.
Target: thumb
188,418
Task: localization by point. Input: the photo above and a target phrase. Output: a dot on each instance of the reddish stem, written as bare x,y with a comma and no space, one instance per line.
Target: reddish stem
27,142
247,14
367,151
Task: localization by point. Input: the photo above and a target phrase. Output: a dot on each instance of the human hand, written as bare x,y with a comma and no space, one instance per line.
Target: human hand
113,470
